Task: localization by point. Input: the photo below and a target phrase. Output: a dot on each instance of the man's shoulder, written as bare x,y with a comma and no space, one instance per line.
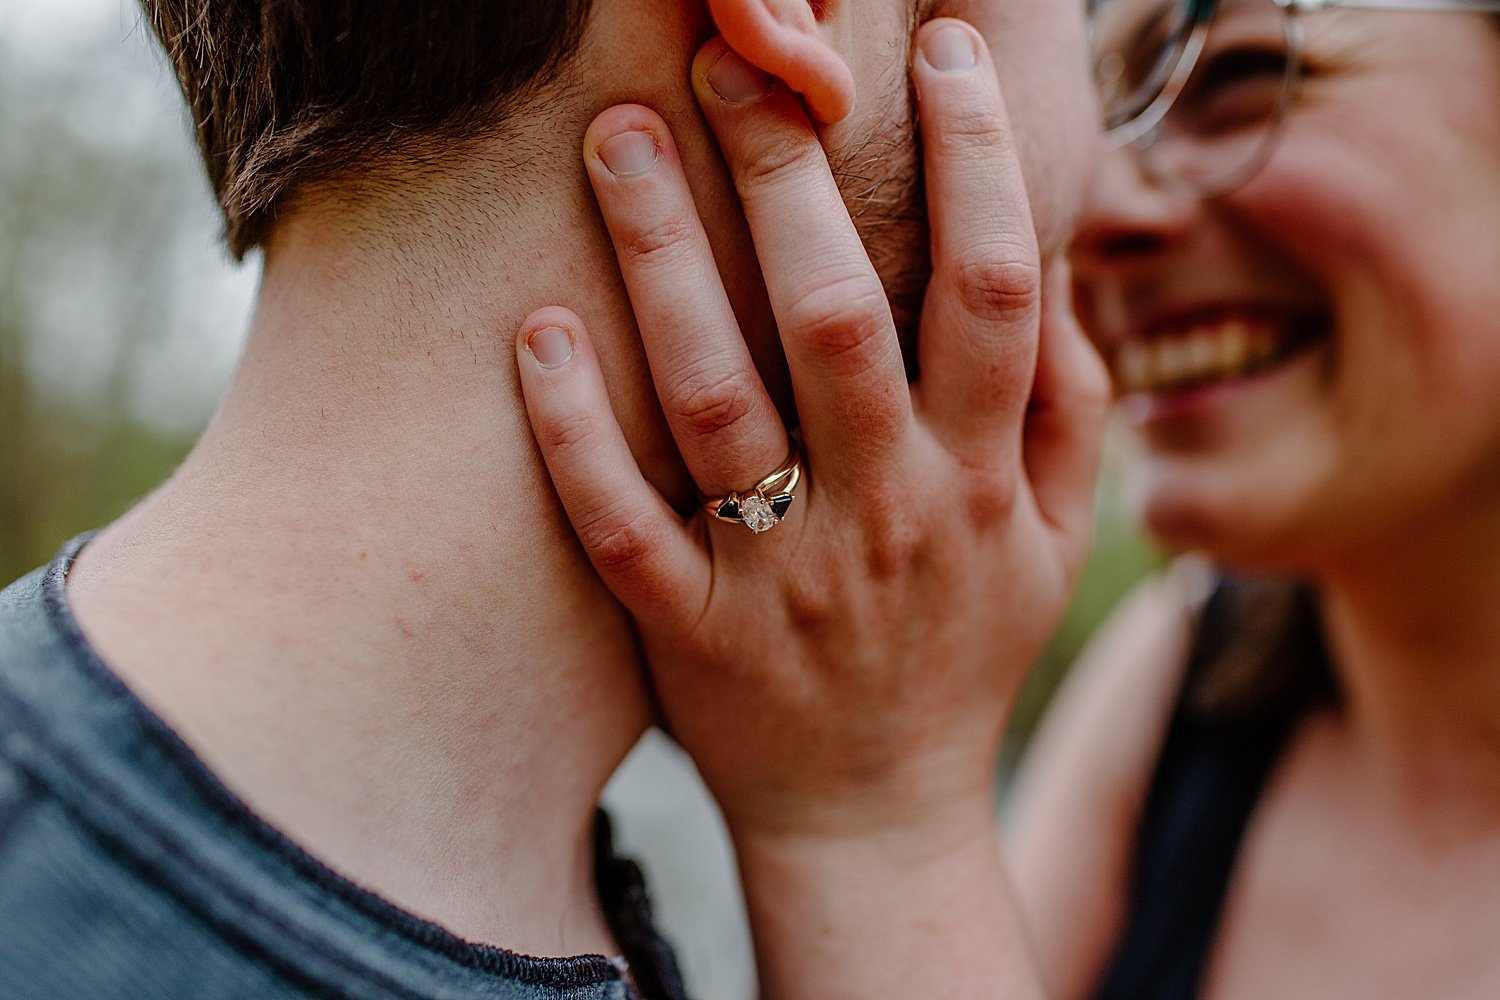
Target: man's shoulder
26,627
39,641
43,693
61,710
82,886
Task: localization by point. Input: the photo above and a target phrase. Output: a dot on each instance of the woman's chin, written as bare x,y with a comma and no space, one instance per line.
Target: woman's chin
1247,531
1239,470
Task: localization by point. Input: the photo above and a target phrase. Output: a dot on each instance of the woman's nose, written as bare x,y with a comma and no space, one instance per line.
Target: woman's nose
1130,220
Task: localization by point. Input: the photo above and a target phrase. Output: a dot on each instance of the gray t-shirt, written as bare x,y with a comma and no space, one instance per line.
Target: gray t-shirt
127,870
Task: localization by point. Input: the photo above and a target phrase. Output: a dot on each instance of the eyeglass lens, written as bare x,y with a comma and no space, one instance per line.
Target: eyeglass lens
1224,122
1137,45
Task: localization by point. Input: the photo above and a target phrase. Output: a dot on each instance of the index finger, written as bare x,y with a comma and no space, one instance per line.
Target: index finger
831,308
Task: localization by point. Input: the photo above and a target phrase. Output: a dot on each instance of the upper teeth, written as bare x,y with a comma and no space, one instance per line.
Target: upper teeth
1189,355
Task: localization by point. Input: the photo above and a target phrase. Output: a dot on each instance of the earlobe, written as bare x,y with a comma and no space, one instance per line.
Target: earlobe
782,38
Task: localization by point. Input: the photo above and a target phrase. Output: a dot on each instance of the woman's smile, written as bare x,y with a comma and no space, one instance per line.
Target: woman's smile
1305,356
1178,356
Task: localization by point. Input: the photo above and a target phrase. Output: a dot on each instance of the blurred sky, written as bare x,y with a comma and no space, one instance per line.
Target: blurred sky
126,283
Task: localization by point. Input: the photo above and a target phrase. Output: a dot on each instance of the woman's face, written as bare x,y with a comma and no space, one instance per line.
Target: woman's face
1312,362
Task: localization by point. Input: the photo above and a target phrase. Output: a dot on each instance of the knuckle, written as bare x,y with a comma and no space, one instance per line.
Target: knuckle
844,320
663,240
894,538
709,404
997,287
992,496
812,601
891,552
809,609
616,539
975,128
567,432
776,156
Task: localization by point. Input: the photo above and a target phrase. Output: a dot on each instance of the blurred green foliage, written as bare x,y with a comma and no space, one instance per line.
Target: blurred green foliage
49,493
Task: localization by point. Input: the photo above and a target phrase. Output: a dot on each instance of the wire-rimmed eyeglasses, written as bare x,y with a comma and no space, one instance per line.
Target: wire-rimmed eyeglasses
1203,87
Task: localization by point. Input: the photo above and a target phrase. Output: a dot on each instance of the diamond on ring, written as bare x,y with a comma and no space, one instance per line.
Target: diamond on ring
758,514
765,504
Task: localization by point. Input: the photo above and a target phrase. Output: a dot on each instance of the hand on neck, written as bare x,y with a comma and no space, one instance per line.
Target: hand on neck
358,599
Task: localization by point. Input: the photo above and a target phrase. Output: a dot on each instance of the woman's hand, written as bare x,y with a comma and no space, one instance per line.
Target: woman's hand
842,680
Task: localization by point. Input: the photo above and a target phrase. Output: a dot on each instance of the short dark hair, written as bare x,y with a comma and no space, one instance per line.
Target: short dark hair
288,92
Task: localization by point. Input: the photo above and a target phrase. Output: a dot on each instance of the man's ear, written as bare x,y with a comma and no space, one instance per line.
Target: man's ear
782,37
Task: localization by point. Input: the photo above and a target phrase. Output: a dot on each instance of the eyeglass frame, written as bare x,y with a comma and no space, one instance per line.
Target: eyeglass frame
1141,129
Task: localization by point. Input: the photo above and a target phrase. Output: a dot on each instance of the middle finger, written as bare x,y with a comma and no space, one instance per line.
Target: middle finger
723,420
831,308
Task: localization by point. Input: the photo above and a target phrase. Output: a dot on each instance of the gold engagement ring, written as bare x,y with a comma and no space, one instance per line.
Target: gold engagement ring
763,506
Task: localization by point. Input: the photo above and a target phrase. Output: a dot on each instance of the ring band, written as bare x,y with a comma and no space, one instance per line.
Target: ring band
761,507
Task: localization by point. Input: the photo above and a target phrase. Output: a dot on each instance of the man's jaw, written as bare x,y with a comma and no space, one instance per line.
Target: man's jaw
881,179
878,168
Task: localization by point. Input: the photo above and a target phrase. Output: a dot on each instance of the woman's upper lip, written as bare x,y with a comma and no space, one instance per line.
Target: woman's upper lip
1165,321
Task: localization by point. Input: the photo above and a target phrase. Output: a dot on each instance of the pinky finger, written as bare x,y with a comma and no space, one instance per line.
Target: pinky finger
1065,426
637,543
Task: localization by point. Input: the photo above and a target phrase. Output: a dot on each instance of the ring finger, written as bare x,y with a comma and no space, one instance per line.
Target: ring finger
724,422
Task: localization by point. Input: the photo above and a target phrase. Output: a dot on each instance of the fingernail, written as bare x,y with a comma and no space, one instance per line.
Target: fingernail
736,81
949,49
551,346
629,153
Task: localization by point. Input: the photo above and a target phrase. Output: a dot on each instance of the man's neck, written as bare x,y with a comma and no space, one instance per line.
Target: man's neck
359,600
